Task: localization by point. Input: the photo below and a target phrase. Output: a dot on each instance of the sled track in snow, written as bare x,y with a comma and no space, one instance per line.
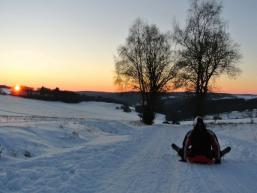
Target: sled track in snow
155,168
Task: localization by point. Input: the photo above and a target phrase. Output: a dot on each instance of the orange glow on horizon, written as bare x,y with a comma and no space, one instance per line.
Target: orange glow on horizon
110,87
104,82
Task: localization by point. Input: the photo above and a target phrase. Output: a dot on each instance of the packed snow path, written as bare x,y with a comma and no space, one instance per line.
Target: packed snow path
150,167
141,162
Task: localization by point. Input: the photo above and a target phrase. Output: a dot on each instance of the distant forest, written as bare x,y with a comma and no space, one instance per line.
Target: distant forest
181,109
66,96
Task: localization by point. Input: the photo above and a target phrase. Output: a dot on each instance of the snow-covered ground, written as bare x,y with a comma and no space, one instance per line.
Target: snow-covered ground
246,96
239,96
91,147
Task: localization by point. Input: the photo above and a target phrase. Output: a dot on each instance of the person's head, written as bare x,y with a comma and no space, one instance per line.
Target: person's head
198,123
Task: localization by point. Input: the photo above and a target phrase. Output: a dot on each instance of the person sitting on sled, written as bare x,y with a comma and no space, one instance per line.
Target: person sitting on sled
200,145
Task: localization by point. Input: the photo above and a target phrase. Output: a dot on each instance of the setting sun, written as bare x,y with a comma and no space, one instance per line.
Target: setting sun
17,88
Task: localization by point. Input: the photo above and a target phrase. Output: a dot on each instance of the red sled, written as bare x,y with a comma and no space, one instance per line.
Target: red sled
200,159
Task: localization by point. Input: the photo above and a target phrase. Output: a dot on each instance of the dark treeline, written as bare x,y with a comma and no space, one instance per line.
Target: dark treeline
67,96
182,109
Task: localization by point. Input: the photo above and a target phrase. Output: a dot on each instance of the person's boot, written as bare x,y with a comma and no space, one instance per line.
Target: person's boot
175,147
225,151
179,151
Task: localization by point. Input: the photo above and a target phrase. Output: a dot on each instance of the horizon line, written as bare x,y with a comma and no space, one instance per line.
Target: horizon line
126,91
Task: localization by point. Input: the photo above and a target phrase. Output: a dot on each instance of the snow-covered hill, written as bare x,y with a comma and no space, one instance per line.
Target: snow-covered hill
93,147
26,107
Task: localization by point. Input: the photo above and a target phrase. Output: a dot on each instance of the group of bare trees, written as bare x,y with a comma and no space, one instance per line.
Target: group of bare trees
204,51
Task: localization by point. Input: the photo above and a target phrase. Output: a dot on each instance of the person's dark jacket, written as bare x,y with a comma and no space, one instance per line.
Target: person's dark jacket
201,142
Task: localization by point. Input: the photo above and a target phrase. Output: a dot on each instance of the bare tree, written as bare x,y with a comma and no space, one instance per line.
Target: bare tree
206,49
144,63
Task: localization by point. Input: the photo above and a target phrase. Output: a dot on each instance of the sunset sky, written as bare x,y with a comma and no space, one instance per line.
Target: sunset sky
71,44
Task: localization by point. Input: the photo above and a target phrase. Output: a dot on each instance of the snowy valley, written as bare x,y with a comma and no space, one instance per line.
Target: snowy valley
92,147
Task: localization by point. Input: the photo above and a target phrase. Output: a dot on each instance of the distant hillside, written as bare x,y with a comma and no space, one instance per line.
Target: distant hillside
180,105
133,98
172,104
184,107
4,86
130,98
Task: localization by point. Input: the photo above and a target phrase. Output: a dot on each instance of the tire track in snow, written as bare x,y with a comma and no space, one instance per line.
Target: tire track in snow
148,170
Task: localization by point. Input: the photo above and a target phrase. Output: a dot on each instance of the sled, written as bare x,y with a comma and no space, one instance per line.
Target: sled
200,159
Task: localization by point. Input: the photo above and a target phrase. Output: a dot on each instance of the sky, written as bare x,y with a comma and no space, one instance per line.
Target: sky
71,44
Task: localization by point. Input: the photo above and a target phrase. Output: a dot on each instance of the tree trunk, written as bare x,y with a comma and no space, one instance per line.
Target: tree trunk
200,109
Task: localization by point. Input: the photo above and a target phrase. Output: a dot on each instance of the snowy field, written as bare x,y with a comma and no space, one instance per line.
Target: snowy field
91,147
